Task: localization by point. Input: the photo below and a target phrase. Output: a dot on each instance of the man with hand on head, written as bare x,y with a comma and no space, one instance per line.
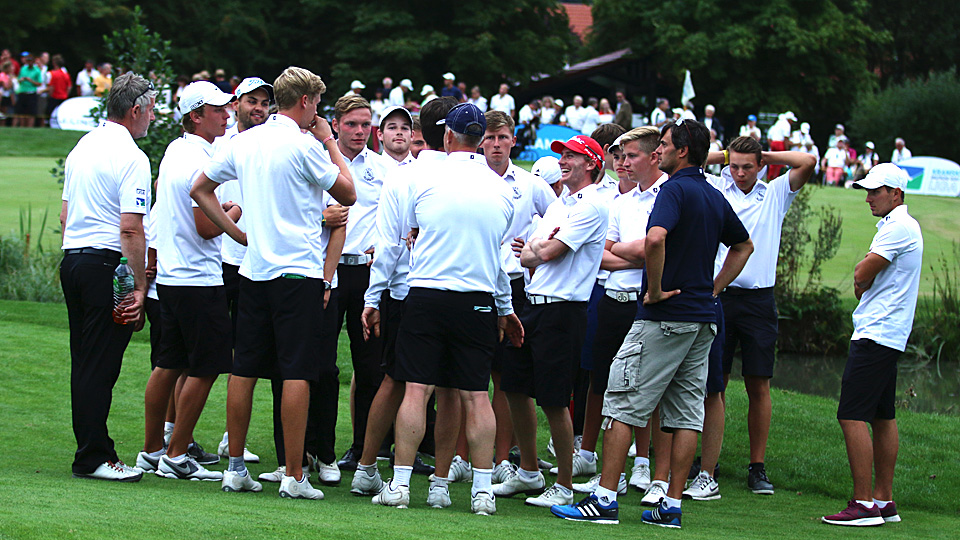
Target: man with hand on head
283,175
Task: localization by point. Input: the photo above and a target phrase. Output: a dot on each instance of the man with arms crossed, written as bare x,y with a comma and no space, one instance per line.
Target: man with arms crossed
460,212
106,193
664,356
283,175
886,282
565,254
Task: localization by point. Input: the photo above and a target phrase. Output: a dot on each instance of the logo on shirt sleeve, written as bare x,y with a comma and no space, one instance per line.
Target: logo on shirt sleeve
142,202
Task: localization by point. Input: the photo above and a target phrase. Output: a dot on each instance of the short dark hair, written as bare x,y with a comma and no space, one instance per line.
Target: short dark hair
605,134
431,113
747,145
692,135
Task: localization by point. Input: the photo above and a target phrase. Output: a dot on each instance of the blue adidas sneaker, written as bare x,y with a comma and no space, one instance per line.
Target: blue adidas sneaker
663,516
589,509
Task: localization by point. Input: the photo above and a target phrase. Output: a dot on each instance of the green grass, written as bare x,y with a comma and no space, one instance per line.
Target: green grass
38,499
37,142
25,183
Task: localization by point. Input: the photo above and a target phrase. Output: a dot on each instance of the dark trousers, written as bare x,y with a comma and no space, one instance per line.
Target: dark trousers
366,355
231,285
324,396
96,352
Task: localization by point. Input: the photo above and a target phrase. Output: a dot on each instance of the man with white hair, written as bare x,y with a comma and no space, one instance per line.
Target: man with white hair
886,282
575,114
711,121
900,152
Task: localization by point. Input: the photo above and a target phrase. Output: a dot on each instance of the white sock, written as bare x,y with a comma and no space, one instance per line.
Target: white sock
565,490
881,504
236,464
605,495
181,457
671,503
401,475
641,461
529,476
482,481
866,504
167,426
371,470
438,481
588,455
159,453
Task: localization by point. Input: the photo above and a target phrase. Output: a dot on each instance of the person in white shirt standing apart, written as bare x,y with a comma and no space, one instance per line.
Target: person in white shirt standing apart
352,123
283,175
459,212
748,307
900,151
195,337
887,283
565,254
106,193
503,101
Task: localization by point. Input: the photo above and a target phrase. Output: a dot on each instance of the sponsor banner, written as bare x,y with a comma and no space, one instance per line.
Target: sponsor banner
74,114
932,176
546,134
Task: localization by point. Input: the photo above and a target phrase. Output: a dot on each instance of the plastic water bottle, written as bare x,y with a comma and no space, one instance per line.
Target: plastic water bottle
122,289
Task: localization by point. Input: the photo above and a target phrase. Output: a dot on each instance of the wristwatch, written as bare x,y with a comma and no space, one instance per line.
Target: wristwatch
327,285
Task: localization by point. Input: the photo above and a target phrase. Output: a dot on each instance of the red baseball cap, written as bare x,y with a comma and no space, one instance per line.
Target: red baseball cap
581,144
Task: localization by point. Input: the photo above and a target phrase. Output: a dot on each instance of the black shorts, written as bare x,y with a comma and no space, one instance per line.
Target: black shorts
869,385
447,339
152,308
26,105
750,317
194,330
391,313
231,284
614,320
519,298
544,367
586,348
279,327
715,382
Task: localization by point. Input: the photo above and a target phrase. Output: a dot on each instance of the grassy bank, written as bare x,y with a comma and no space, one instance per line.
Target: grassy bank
38,499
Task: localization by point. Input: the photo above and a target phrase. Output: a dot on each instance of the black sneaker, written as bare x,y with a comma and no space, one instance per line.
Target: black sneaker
695,470
419,467
200,456
757,480
385,455
349,460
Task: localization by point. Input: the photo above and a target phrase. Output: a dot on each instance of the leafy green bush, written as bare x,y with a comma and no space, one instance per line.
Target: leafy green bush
901,110
936,328
812,318
27,271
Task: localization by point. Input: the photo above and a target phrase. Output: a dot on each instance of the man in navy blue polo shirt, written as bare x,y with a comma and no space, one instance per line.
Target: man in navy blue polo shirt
664,356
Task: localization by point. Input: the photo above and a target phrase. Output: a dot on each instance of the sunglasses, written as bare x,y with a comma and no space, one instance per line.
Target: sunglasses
150,88
679,122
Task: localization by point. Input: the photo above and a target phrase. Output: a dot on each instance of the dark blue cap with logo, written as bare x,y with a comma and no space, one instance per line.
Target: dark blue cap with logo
467,119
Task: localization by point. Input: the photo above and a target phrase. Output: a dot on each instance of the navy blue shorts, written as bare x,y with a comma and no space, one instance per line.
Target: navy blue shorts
715,381
586,352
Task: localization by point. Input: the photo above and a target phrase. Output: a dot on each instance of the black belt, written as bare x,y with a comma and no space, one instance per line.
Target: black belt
740,291
93,251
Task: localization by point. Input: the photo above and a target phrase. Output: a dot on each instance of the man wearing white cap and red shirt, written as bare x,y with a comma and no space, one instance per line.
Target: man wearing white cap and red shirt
886,282
565,254
398,95
196,332
396,134
450,89
355,88
777,136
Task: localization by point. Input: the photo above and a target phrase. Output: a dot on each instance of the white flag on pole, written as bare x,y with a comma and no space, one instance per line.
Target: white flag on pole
688,93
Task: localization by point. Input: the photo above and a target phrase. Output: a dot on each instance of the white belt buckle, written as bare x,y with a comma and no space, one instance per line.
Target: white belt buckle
623,296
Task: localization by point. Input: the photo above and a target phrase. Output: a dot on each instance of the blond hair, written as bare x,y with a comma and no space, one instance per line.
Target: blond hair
499,119
647,136
350,103
294,83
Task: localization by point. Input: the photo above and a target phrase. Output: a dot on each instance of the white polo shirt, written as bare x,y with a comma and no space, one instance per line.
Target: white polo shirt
283,174
504,103
628,222
582,218
230,251
608,191
463,211
368,169
531,197
886,309
150,234
761,211
106,174
390,161
392,263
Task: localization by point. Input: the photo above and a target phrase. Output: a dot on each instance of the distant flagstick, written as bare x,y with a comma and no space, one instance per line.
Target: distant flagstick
688,92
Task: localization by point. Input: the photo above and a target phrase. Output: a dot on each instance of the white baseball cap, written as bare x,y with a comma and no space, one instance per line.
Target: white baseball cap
548,168
870,145
392,109
790,116
449,76
250,84
884,174
408,83
617,143
200,93
426,89
357,84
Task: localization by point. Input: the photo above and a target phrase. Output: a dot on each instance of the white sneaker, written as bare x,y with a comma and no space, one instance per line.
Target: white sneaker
503,471
483,504
656,491
223,450
291,489
550,447
232,482
640,476
632,452
391,495
581,467
166,438
702,488
274,476
116,472
146,463
438,496
516,484
577,443
188,469
364,484
329,473
552,496
460,470
591,486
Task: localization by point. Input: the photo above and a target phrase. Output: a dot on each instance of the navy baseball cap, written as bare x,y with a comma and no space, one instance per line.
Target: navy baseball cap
467,119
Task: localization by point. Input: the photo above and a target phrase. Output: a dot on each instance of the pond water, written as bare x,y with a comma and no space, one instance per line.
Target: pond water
919,388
